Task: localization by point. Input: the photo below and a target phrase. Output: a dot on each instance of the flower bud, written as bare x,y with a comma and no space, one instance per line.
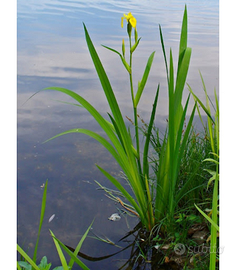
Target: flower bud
129,29
123,48
135,35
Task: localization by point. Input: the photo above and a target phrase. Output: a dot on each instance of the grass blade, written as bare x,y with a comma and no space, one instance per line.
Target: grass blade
148,135
28,259
121,57
60,253
118,185
144,80
105,82
114,107
164,53
181,77
214,224
18,266
183,38
201,104
78,247
59,244
43,206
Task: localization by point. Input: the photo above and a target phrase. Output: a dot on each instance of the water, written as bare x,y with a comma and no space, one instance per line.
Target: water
52,52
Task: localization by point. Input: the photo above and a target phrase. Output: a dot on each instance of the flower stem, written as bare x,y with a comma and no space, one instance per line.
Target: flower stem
134,109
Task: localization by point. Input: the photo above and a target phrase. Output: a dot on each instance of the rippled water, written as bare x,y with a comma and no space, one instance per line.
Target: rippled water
52,52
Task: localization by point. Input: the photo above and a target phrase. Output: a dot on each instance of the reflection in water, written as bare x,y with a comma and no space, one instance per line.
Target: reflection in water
52,52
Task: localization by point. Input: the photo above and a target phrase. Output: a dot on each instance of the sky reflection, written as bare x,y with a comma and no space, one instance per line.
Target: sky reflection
52,52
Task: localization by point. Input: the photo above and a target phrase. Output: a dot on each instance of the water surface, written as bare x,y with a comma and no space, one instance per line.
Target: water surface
52,52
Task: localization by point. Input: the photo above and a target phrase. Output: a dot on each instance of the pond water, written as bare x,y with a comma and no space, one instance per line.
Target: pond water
52,52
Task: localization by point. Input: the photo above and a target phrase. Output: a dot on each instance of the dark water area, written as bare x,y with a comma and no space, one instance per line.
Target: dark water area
52,52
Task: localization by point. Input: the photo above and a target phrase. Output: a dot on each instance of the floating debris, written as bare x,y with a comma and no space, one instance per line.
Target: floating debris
51,218
42,185
157,246
115,217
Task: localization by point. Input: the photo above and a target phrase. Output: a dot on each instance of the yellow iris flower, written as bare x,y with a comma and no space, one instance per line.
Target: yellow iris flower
130,19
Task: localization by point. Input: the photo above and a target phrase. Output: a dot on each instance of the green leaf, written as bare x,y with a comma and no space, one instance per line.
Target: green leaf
201,104
144,80
121,159
59,251
181,144
26,256
183,38
117,130
164,53
111,99
211,160
18,266
44,264
214,226
148,135
104,80
58,243
25,265
43,206
134,46
181,77
118,185
105,125
77,249
208,218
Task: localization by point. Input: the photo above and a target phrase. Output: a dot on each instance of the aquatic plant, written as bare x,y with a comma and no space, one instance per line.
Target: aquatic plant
151,202
212,130
120,145
174,143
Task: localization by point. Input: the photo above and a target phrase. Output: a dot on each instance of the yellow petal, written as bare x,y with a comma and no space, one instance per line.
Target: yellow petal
126,16
129,15
122,21
130,19
133,22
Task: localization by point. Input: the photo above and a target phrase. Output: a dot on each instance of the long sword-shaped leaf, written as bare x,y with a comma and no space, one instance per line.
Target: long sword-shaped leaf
117,130
186,135
60,253
121,57
181,77
71,254
105,125
148,135
208,218
183,38
118,185
201,104
107,88
43,206
77,249
144,80
164,53
215,221
18,266
122,160
113,105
